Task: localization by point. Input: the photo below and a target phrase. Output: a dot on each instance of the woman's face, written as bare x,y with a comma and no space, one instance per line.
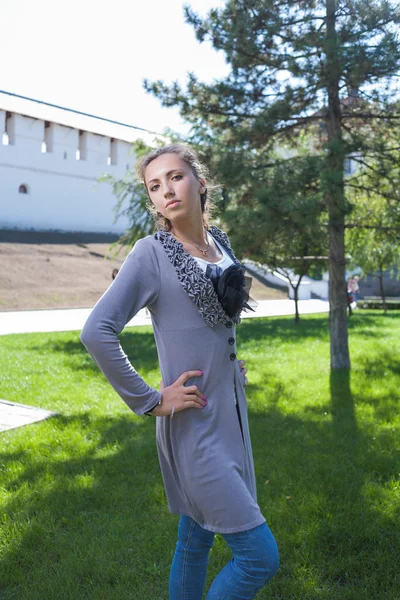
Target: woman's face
173,188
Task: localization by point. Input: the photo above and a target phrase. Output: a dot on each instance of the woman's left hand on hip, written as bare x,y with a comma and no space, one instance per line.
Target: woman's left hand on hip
243,370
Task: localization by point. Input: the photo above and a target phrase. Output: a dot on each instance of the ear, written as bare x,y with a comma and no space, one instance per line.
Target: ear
203,187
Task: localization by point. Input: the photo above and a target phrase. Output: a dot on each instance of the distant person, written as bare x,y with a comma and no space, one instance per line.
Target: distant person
349,298
350,289
353,291
356,288
186,273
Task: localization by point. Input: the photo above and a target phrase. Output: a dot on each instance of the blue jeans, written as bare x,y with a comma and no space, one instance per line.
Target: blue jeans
255,561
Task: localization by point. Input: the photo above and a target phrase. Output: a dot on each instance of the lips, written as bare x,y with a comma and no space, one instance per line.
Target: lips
172,202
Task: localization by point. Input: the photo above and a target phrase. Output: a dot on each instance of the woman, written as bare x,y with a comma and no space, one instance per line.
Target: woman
188,277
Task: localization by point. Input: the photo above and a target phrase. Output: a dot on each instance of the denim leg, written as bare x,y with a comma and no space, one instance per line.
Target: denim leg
255,561
189,565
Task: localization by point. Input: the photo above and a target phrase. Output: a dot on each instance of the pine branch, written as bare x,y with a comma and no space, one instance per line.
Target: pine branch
360,161
286,56
369,116
304,20
373,191
382,152
213,110
378,227
382,173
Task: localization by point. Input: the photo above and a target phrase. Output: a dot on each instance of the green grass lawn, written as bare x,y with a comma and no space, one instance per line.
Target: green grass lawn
83,511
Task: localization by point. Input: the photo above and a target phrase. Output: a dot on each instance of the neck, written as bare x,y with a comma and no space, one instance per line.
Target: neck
192,232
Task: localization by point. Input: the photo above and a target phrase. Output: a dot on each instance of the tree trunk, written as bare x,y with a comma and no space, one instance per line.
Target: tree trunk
335,199
296,301
380,276
295,289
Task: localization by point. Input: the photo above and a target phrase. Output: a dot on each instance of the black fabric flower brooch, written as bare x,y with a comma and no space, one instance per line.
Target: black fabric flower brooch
232,287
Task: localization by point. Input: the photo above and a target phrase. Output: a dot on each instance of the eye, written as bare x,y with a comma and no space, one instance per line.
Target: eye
154,187
177,176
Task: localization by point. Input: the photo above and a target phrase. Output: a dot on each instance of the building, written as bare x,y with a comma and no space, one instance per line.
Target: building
50,163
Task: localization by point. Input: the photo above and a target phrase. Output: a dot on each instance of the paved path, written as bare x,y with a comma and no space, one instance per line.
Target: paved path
71,319
13,415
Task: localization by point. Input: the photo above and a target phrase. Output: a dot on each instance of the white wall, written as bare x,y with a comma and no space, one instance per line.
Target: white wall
61,192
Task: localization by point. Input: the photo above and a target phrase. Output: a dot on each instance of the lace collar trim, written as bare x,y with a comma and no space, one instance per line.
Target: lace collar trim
193,279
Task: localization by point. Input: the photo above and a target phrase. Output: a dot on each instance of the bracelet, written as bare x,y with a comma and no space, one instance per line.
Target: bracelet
158,404
148,413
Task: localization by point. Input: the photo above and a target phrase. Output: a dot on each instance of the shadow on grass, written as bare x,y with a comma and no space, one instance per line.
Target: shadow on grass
389,361
313,479
138,344
87,515
92,522
369,317
365,323
315,326
311,327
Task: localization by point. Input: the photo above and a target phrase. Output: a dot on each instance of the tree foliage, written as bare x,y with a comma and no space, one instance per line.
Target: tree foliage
277,218
327,66
373,236
374,250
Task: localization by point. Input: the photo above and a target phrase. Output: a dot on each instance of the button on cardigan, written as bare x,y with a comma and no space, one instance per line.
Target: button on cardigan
205,454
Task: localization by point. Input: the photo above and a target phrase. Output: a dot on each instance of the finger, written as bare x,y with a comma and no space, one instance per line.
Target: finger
194,398
193,389
192,404
242,362
187,375
244,371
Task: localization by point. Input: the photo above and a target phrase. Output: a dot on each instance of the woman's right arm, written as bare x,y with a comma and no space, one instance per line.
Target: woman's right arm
137,285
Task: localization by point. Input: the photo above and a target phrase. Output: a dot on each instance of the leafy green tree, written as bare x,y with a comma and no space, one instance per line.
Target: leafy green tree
289,59
374,248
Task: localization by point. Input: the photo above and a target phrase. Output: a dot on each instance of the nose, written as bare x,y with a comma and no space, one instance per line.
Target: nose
168,190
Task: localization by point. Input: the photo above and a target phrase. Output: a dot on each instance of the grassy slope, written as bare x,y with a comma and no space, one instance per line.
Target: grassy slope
84,509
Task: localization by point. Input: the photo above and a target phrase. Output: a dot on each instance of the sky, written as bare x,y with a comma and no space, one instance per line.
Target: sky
92,55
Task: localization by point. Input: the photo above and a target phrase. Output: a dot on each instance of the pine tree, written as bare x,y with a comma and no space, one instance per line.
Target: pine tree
297,64
276,217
